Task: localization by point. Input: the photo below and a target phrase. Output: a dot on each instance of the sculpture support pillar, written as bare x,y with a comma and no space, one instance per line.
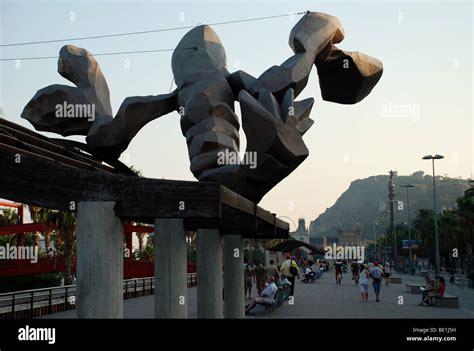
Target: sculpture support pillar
234,299
209,273
99,261
170,269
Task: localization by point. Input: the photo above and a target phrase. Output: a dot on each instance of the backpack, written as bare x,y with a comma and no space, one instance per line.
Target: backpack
293,269
376,273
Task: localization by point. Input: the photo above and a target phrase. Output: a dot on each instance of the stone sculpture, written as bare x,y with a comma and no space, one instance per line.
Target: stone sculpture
273,121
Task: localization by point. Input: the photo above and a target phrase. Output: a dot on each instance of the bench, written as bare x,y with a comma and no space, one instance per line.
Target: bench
269,307
395,280
414,288
447,301
282,294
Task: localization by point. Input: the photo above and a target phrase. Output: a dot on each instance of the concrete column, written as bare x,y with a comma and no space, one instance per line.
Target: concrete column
209,274
234,277
171,298
99,261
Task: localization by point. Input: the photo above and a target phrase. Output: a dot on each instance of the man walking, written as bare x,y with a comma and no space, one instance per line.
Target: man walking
259,277
271,270
248,277
376,275
290,269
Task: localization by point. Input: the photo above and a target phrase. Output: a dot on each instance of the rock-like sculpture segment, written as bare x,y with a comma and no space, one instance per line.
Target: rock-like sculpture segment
79,67
273,121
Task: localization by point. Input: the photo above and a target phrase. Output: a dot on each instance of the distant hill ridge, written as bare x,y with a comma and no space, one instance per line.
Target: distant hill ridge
365,200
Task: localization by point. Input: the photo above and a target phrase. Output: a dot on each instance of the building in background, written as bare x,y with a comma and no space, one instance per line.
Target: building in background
351,237
301,233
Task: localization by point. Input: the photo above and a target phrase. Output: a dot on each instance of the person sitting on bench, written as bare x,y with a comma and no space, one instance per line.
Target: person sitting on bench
437,292
428,287
309,274
267,296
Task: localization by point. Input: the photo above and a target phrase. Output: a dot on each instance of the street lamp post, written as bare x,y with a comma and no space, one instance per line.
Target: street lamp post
409,231
375,241
433,158
394,233
385,238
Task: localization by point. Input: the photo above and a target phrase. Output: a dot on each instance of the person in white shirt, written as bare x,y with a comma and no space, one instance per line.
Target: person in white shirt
364,282
386,273
309,272
268,294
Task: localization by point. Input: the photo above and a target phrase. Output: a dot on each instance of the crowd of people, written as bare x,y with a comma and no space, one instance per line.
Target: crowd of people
268,279
362,273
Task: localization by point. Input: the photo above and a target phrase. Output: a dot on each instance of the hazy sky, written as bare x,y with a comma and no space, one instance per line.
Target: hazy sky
422,104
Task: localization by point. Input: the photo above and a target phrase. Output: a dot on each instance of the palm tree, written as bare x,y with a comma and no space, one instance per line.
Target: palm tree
44,216
8,217
465,212
148,253
34,212
66,224
449,238
140,237
423,224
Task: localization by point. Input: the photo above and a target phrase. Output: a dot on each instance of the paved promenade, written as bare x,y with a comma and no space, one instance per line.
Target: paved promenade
325,299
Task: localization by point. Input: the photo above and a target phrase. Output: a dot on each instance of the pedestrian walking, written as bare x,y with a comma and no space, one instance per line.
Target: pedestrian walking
291,270
364,282
376,275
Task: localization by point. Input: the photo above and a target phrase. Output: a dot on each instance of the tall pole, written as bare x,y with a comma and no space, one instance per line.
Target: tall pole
433,158
394,234
409,227
435,222
409,234
375,242
391,197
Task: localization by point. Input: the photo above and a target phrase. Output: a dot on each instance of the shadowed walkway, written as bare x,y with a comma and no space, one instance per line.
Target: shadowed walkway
325,299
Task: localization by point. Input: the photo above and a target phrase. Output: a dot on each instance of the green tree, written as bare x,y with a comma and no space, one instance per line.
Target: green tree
423,224
66,225
8,216
465,213
450,235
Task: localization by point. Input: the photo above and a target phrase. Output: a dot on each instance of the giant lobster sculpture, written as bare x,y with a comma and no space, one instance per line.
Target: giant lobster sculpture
273,121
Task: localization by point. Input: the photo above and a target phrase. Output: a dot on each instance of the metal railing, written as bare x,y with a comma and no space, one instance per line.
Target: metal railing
37,302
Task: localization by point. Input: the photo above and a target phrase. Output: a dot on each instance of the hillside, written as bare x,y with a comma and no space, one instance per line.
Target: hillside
366,199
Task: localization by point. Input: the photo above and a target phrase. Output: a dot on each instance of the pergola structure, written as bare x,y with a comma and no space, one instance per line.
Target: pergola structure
62,175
